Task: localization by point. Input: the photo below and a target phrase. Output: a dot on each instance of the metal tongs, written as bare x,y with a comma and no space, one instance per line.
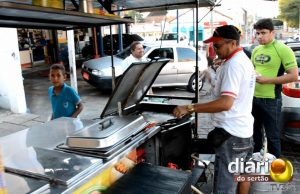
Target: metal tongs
173,122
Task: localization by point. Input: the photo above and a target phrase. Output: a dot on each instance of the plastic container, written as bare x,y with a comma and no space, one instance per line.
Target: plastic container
86,6
58,4
263,187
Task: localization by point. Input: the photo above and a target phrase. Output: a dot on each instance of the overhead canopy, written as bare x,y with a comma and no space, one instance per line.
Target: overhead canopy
154,5
22,15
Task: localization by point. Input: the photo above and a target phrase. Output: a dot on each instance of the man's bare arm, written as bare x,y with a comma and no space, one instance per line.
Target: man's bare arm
290,76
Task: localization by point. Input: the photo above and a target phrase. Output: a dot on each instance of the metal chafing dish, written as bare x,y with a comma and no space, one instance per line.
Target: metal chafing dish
108,132
120,125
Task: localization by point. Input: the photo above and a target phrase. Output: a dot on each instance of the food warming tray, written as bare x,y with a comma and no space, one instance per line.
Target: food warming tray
118,124
108,132
114,151
50,165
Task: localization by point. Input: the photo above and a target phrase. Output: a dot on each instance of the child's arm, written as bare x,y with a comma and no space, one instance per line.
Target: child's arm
78,110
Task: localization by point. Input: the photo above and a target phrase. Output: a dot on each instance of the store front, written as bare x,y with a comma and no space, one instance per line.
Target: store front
33,45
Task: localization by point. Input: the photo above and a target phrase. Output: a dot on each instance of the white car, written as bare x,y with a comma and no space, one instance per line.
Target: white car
179,71
171,37
291,103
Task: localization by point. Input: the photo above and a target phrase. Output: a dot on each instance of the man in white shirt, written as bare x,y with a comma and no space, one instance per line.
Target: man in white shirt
232,118
137,53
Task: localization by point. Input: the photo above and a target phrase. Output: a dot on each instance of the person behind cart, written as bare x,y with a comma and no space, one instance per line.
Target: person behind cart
64,100
210,54
232,118
137,55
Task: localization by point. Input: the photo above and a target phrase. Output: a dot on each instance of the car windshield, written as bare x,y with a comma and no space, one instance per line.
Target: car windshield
126,52
169,37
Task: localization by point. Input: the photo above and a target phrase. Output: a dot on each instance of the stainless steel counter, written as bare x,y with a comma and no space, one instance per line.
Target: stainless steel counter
47,135
21,184
33,152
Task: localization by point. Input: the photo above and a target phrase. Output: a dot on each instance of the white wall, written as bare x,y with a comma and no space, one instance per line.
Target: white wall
12,95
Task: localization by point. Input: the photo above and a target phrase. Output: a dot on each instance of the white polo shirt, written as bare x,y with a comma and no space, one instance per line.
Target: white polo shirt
131,59
236,78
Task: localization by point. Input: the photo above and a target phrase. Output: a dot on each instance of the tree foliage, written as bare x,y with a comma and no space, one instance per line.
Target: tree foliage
290,12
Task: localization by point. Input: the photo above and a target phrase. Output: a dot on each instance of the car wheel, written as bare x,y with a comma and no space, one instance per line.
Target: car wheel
192,84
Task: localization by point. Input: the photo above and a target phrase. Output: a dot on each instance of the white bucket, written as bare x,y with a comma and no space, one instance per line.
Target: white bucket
264,187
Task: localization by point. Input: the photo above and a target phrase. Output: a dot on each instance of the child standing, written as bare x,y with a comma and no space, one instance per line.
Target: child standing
64,100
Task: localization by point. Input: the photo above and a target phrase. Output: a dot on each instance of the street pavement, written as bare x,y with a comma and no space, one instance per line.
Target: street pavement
36,86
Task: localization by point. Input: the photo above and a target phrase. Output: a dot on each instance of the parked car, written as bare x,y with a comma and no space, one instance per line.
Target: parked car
249,47
295,46
291,103
126,38
171,37
179,71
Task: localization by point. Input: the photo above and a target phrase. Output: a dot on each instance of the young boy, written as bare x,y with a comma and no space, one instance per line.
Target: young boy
64,100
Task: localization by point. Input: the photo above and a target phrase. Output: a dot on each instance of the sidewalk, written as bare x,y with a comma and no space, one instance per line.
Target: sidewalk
13,122
37,67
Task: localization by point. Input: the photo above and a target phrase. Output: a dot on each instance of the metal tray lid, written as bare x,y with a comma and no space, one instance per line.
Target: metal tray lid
133,86
51,165
108,132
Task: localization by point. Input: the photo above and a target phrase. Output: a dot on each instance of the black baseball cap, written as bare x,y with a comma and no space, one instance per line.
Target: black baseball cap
224,32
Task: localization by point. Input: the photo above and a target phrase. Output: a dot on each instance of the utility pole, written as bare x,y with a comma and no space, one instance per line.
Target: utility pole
299,22
211,21
245,25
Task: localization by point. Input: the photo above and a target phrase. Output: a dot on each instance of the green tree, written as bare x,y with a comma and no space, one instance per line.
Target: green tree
290,12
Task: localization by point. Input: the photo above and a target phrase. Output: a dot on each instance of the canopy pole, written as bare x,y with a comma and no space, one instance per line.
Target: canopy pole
197,69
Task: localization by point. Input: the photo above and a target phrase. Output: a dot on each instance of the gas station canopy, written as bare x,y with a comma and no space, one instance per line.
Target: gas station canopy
18,14
29,16
154,5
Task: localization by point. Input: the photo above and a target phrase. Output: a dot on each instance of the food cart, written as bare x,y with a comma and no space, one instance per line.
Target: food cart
84,156
68,155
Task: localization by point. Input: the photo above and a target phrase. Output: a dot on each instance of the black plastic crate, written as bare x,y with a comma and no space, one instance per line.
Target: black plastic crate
150,179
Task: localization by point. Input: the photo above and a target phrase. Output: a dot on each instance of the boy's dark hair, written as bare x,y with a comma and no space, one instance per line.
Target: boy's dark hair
133,45
59,67
266,23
